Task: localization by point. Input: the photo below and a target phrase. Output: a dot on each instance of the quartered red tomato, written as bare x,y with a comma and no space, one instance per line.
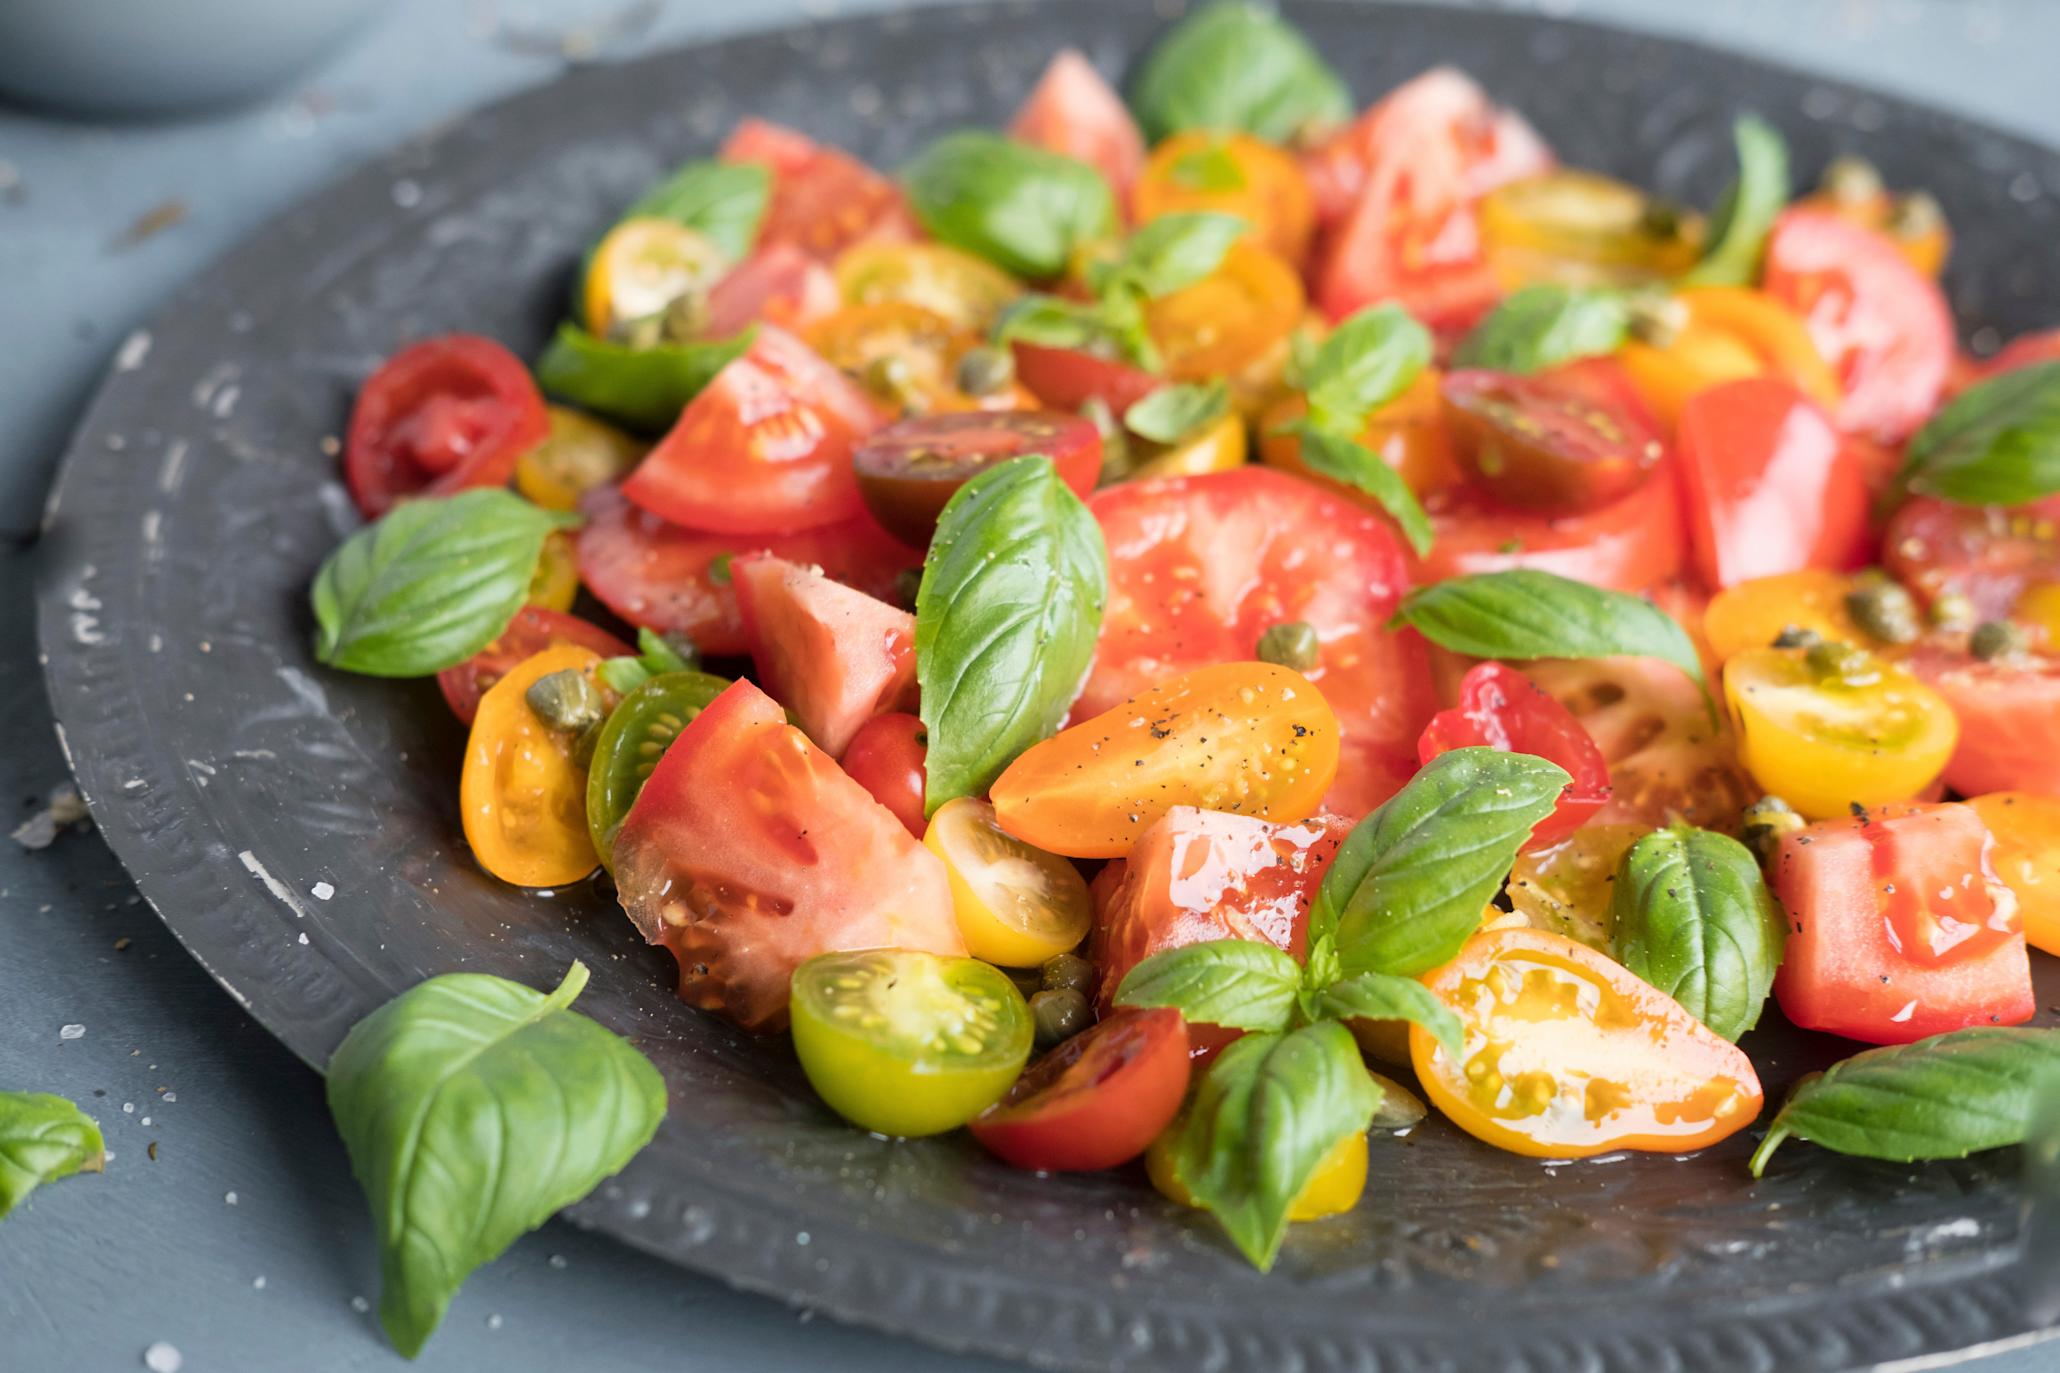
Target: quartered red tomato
1068,378
676,580
1989,554
749,852
1562,442
440,416
886,758
1500,708
833,655
1072,110
533,630
823,200
765,449
1898,927
2009,714
1095,1101
779,284
1632,544
910,469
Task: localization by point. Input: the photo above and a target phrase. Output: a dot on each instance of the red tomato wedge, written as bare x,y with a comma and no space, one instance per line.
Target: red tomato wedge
676,580
533,630
749,852
886,757
1095,1101
1772,486
1988,554
1500,708
1883,325
1632,544
1200,567
764,449
823,200
440,416
2024,351
1898,927
1067,378
779,284
833,655
1073,110
2009,713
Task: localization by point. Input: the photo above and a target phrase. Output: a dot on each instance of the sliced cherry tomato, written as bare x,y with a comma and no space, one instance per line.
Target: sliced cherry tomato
2025,830
765,449
533,630
1235,174
679,581
1771,485
2009,714
439,416
523,793
749,852
906,357
1096,1101
1017,905
1568,888
1989,554
779,285
1568,1055
1250,738
1883,326
968,291
1898,927
632,740
1585,229
823,200
1564,442
1409,433
908,471
578,454
1332,1189
1233,323
831,654
1218,446
642,266
1499,708
902,1042
1730,333
1827,739
886,758
555,583
1072,110
1632,544
1752,614
1068,378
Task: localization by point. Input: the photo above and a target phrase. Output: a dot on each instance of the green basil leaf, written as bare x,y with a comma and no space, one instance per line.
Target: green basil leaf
1022,208
1175,251
1384,996
429,584
1944,1097
1746,215
1238,983
2042,1191
1408,885
1544,325
1349,461
43,1138
1209,168
1171,413
1366,362
1051,322
656,655
1996,443
1692,915
473,1109
1266,1113
723,200
1006,619
1236,66
1524,613
644,388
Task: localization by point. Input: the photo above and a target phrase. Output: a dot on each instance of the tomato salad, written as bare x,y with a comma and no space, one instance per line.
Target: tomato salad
1104,633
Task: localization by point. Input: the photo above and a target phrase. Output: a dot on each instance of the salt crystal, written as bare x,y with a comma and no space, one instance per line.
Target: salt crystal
258,1282
128,1108
493,1322
228,1198
557,1260
72,1032
171,1097
360,1305
322,891
163,1358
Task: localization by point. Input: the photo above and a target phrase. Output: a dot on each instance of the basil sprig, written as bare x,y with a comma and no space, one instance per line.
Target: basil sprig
1944,1097
1006,619
644,388
1237,66
432,582
1171,413
724,201
1996,443
1025,209
1544,325
473,1109
1692,915
1746,214
656,655
43,1138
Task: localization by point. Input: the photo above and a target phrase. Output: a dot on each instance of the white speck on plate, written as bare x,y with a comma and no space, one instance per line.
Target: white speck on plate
228,1198
493,1322
171,1097
360,1305
173,470
163,1358
258,1282
407,193
72,1032
134,349
128,1108
273,885
322,891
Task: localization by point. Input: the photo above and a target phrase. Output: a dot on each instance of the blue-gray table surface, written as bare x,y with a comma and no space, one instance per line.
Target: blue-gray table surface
227,1224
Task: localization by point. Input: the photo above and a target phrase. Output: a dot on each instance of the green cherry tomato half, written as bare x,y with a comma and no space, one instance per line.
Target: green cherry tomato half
907,1043
635,737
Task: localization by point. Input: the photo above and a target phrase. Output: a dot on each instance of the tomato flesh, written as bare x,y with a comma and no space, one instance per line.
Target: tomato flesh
1096,1101
1230,173
886,758
833,655
823,200
1989,554
910,470
1017,905
1632,544
440,416
1572,439
779,285
1500,708
1068,378
1074,111
522,794
533,630
2009,714
2025,829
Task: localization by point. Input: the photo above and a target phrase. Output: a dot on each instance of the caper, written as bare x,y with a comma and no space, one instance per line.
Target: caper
1661,219
1655,318
1953,610
565,700
1994,640
983,370
1764,822
1915,215
1069,972
1400,1108
639,334
684,318
1884,609
1833,659
1060,1014
1850,180
1797,636
890,379
1291,643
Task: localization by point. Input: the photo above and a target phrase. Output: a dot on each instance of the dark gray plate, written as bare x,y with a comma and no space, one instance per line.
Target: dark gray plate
236,779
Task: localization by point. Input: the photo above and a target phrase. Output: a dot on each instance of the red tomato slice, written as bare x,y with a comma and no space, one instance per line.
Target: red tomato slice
764,449
886,758
2009,713
1772,486
1633,544
1572,439
1067,378
533,630
749,852
1095,1101
1500,708
779,284
1073,110
440,416
1883,326
2025,351
908,471
678,580
833,655
1898,927
1988,554
823,200
1200,567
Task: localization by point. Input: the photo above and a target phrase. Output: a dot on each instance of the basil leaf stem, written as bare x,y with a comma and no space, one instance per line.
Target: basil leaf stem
1746,215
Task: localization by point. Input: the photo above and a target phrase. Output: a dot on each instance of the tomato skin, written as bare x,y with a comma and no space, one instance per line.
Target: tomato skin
823,200
1845,971
833,655
1233,323
2027,350
909,471
1752,614
1500,708
533,630
1638,1073
886,758
1572,439
1583,229
779,284
1633,544
1073,110
1989,554
440,416
2009,714
969,291
522,795
1732,332
1068,378
1096,1101
1772,487
1265,188
749,852
2026,855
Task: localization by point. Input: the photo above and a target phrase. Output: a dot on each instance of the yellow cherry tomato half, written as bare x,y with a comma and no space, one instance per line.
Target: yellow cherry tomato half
1232,322
1016,904
906,357
1334,1188
1753,613
1250,738
1584,229
577,455
1230,173
523,795
1731,332
1568,1054
1824,740
1567,888
2025,828
968,291
1216,447
555,583
643,265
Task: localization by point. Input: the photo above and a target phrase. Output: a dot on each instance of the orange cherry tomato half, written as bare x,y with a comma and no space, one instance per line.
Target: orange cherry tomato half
1568,1055
1752,614
1231,321
1732,332
2024,830
1095,1101
1231,173
523,795
906,356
